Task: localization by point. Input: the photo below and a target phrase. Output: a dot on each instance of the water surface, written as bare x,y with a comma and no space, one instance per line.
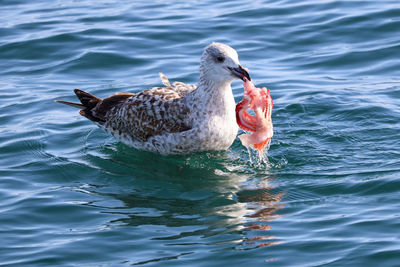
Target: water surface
70,195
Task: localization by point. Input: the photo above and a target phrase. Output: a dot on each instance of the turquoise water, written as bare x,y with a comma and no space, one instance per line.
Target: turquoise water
70,195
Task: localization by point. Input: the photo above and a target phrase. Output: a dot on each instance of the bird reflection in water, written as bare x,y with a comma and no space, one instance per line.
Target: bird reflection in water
175,203
265,204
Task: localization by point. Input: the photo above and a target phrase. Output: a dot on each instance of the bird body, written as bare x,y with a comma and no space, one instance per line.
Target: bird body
178,118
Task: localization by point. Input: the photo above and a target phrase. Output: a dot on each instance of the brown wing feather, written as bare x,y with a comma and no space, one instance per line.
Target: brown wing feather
152,112
89,102
149,113
96,109
109,103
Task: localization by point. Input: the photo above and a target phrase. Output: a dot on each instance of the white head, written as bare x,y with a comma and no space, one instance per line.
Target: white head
220,64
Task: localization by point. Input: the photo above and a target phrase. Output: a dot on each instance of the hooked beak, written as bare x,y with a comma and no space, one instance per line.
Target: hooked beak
240,72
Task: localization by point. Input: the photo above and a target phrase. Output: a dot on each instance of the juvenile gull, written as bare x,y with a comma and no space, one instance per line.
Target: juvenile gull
178,118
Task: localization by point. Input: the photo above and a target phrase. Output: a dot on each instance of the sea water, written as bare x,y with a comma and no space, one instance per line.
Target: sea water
70,195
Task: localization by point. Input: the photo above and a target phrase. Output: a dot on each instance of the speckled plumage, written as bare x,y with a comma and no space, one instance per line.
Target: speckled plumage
178,118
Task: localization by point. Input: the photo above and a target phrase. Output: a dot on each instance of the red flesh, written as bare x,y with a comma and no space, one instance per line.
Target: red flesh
260,125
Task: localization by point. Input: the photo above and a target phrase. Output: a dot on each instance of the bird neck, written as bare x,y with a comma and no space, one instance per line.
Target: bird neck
212,96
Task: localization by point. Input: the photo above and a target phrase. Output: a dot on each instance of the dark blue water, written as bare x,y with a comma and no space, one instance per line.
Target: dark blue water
70,195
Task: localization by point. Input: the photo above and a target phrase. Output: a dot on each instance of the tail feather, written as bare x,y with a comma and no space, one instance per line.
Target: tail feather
94,108
89,102
72,104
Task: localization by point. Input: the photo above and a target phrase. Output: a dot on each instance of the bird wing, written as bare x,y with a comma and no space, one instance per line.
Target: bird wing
183,88
149,113
179,87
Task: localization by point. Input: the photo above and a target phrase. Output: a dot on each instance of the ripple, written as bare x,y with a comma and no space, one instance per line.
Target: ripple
72,195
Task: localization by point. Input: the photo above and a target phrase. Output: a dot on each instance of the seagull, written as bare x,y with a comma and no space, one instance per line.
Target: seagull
177,118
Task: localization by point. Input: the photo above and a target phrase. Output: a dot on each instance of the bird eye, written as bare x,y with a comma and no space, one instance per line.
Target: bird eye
220,59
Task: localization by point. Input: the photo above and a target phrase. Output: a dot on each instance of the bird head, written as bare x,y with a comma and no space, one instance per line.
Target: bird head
220,63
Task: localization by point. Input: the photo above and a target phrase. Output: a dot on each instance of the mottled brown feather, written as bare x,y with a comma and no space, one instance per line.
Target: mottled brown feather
151,112
110,102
